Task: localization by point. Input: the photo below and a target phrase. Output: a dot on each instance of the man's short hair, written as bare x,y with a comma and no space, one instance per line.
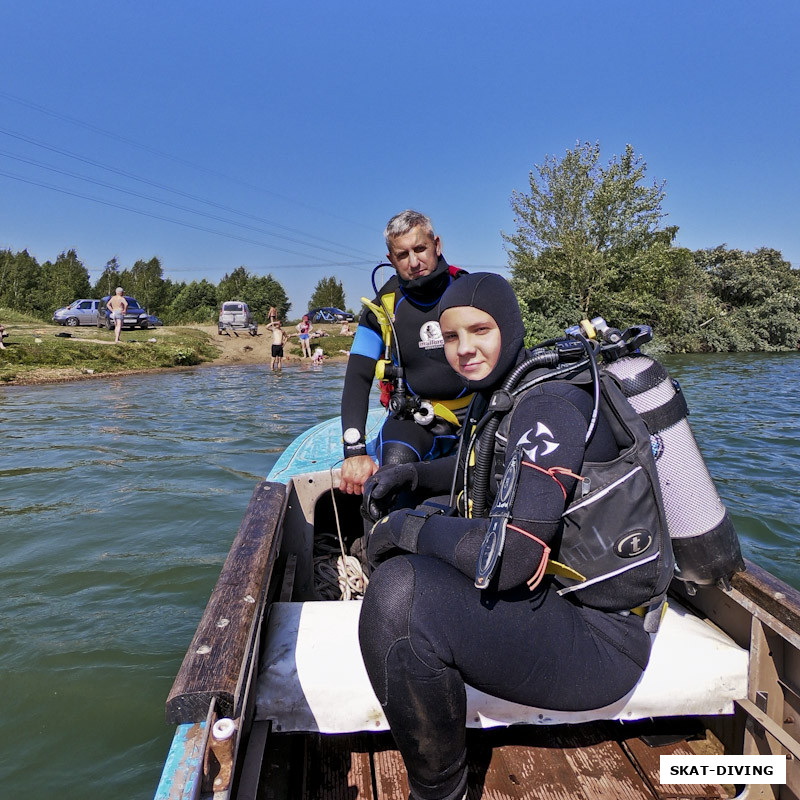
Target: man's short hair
400,224
119,290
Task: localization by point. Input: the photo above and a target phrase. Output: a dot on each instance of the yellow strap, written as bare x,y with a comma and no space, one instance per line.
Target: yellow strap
640,611
557,568
445,408
383,320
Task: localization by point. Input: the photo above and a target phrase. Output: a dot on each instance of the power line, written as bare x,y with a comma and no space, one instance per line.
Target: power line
123,173
106,185
170,157
157,216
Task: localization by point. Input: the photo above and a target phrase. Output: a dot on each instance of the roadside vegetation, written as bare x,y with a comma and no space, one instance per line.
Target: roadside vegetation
53,352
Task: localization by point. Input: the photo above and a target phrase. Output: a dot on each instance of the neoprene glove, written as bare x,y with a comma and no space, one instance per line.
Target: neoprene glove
397,533
382,488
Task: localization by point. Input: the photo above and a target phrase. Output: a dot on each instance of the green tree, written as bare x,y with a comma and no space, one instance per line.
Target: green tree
233,286
194,302
64,281
20,283
259,292
109,279
578,231
147,283
263,292
328,292
758,295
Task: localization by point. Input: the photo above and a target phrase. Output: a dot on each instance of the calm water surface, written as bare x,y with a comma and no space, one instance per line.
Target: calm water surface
120,498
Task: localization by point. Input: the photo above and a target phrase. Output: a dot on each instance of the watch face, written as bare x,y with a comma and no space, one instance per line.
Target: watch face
352,436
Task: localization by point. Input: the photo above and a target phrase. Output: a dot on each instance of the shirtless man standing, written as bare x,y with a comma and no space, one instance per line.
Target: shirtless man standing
117,305
279,339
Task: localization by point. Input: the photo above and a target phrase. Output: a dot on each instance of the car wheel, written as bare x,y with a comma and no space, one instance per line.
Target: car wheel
144,325
109,324
73,322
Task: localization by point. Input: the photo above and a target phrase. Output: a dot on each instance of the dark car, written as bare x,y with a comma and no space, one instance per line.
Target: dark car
330,314
135,315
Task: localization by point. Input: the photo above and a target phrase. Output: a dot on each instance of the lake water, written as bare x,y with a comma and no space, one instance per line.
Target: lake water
120,498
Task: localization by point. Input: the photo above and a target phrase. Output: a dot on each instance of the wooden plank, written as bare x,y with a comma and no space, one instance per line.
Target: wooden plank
519,766
337,768
648,759
773,595
600,764
217,662
391,778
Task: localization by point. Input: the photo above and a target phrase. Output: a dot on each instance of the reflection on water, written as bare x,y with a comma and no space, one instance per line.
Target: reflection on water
121,497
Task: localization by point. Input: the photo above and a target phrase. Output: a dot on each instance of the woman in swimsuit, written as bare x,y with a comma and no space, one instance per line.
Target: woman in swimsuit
304,329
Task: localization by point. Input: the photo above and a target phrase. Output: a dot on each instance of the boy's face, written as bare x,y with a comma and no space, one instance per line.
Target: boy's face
471,341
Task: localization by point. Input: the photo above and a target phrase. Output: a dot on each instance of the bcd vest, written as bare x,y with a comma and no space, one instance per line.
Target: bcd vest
613,539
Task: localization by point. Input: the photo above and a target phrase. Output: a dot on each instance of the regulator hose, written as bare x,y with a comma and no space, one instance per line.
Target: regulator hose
484,457
487,428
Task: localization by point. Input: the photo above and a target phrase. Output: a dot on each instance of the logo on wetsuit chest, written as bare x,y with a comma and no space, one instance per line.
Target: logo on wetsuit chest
430,336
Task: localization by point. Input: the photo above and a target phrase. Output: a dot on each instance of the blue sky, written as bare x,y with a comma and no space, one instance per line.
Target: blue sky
283,135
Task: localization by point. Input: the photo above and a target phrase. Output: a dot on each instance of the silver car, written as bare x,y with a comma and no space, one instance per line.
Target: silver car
235,315
80,312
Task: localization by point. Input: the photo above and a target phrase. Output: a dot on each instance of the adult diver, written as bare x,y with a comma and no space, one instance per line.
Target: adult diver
398,338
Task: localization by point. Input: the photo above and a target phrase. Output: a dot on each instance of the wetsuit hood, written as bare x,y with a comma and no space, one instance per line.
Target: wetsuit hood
428,287
494,295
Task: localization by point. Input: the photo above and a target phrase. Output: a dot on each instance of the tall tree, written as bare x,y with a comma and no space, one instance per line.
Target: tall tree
195,302
328,292
147,283
577,227
20,281
259,292
64,281
109,279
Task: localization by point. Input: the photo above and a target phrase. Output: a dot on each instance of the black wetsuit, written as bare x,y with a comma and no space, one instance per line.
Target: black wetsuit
427,373
425,630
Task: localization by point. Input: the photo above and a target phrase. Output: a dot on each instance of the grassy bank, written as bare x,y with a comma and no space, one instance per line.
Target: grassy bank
35,349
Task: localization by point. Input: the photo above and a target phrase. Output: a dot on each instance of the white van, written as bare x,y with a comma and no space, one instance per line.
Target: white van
235,315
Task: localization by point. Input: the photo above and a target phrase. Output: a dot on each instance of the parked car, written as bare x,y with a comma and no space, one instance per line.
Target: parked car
79,312
154,321
135,315
330,314
235,315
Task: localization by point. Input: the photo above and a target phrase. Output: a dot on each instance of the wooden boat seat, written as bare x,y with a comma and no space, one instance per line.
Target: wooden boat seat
312,677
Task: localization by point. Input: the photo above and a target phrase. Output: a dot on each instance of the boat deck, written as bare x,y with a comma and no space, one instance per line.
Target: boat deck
585,762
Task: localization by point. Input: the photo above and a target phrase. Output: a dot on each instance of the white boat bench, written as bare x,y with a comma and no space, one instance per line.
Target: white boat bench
312,677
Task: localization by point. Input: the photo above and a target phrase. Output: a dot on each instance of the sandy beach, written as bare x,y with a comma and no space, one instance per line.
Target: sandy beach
233,350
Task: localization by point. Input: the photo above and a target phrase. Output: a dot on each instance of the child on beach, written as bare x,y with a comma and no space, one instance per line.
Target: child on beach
318,357
279,339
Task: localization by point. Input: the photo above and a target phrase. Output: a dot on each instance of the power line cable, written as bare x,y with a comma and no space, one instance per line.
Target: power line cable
123,173
170,157
150,198
166,219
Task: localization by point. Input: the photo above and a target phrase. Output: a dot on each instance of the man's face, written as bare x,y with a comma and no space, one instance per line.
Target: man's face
414,254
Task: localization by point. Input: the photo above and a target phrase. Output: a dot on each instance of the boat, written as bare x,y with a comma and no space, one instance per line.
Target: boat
272,700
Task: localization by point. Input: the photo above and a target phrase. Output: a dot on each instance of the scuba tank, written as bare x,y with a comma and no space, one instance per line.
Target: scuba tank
704,541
